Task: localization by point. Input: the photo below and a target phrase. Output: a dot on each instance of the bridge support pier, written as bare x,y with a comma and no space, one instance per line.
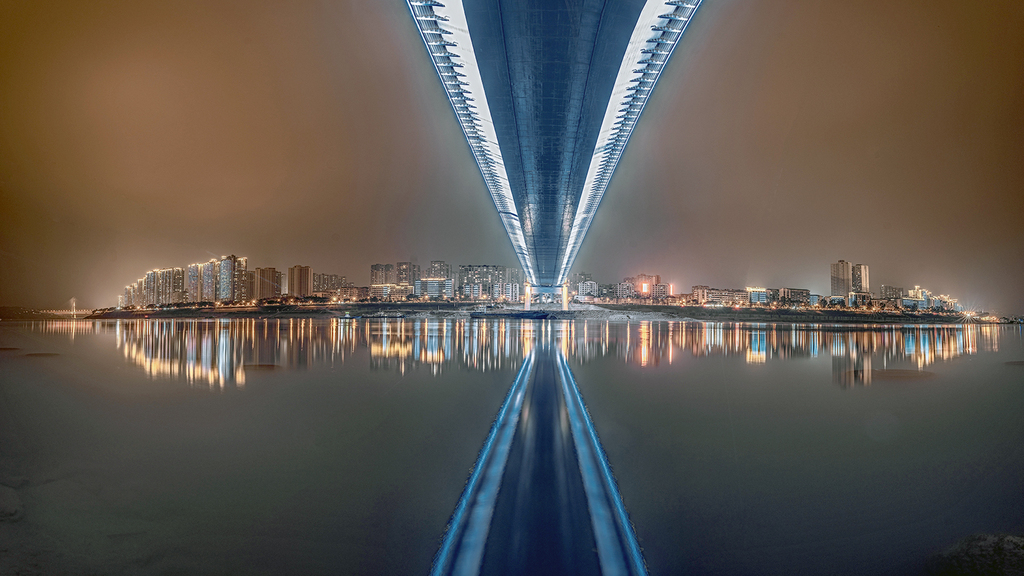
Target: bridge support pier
565,296
527,295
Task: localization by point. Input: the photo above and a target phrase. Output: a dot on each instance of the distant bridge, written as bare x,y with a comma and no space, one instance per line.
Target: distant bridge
71,312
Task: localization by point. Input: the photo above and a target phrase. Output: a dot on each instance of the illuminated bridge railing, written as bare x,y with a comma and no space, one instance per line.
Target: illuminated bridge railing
445,33
654,39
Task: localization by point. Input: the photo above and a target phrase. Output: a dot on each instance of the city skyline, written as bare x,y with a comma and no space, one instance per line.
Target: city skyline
134,135
204,283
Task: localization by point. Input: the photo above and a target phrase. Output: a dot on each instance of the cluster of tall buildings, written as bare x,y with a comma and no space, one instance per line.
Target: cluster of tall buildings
227,279
495,282
441,280
641,286
851,286
850,282
219,280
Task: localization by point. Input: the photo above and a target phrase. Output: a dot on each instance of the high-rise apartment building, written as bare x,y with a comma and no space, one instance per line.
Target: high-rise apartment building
859,276
407,273
164,285
250,285
300,281
161,286
149,287
231,279
241,279
381,274
177,285
327,282
515,276
484,274
439,269
193,283
842,278
266,283
210,273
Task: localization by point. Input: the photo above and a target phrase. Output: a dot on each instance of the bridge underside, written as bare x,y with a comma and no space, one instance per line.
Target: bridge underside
548,94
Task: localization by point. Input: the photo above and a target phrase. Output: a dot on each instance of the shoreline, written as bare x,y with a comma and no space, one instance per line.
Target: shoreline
611,312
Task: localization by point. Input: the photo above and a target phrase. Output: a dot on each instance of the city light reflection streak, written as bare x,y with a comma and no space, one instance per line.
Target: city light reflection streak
214,354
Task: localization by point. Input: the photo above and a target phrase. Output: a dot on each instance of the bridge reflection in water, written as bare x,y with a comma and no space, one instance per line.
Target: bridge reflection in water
541,498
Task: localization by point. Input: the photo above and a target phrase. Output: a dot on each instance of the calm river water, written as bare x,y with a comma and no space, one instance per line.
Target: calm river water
342,446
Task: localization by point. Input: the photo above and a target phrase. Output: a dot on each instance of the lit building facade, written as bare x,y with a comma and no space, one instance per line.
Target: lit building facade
435,288
890,292
842,278
328,282
407,273
859,278
382,274
795,296
210,273
226,280
267,284
193,283
719,296
757,295
478,280
643,284
300,281
624,290
231,284
439,269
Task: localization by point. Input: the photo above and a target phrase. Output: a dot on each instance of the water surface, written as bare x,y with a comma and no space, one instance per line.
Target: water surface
342,446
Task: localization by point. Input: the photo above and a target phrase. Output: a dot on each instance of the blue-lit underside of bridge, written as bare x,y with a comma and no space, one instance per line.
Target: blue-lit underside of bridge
548,93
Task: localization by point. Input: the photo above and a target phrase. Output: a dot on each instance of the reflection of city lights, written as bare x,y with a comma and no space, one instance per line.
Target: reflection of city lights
215,354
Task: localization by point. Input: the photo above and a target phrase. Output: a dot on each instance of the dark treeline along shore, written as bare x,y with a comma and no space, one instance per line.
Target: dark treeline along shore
578,312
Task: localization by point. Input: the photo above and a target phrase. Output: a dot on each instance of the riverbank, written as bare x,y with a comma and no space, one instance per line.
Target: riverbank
611,312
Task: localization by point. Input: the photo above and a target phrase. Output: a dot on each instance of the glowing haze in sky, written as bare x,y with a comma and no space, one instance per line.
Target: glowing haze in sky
784,135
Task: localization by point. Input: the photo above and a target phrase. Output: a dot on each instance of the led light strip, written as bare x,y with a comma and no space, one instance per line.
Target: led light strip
445,33
654,39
